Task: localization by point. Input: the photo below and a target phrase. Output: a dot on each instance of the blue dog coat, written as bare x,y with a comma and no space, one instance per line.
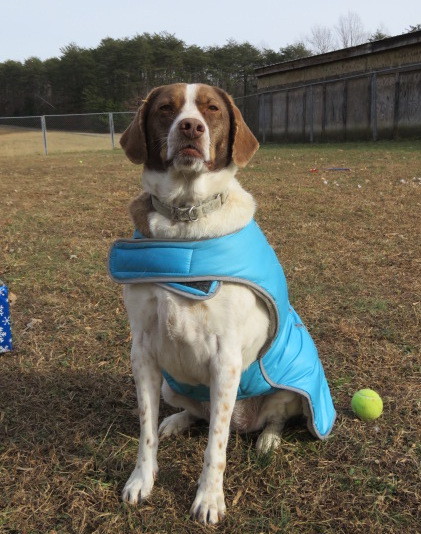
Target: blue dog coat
289,359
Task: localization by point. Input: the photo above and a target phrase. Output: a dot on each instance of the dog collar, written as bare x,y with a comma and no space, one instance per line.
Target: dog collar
189,213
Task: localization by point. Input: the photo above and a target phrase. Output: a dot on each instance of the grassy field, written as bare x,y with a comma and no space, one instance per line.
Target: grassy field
25,141
350,245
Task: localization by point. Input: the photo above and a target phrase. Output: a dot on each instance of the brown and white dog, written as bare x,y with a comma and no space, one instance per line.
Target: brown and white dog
191,140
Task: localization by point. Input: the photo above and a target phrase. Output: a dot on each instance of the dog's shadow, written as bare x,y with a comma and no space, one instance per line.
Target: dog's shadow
81,416
74,412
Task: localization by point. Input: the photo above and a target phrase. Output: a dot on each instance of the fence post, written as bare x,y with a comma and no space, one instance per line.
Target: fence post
44,134
396,106
111,123
287,128
373,111
262,117
311,113
345,109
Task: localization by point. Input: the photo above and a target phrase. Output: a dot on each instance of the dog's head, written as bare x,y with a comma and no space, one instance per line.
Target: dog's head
192,128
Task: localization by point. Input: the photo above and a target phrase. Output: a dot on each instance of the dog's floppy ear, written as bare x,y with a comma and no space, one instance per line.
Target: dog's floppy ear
133,140
244,144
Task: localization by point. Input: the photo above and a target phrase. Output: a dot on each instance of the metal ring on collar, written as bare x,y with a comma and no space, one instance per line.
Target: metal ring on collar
191,219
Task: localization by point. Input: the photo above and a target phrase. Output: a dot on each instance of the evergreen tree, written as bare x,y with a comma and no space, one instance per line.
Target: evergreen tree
120,72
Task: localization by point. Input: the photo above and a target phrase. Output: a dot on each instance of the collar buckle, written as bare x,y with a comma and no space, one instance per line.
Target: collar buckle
189,213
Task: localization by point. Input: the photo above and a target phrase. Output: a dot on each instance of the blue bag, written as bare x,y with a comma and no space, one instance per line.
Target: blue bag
5,328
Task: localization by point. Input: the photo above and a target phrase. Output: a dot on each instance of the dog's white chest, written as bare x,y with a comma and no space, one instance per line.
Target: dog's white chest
183,335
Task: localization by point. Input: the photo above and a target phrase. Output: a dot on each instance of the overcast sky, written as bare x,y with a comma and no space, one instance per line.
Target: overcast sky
41,27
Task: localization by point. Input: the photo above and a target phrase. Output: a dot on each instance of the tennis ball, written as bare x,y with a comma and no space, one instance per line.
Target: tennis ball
367,404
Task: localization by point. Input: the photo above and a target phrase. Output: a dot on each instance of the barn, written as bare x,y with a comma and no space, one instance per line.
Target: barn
367,92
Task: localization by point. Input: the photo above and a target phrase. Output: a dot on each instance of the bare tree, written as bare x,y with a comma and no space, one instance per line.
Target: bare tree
350,30
321,39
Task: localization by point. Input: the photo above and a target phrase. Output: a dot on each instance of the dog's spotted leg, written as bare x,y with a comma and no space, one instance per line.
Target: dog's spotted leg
209,504
147,377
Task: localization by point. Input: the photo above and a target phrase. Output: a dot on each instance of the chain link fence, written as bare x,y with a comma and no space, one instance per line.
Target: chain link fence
49,134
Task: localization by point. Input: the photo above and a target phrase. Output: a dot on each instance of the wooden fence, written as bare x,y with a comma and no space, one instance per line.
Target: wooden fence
383,104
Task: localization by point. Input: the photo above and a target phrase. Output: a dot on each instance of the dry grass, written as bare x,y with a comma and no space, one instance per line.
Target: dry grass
350,248
22,141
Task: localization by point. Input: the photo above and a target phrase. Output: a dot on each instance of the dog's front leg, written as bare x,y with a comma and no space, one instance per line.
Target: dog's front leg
148,382
209,504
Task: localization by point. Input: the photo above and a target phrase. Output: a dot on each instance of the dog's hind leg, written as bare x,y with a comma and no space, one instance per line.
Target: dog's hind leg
175,424
276,410
270,438
178,423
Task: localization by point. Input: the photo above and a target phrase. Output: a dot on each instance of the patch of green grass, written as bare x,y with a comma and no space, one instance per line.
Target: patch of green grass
372,306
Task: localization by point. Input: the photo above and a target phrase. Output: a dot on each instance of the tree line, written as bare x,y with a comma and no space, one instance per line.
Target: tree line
117,74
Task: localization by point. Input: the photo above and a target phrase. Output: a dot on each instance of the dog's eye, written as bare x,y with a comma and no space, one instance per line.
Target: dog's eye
213,108
166,107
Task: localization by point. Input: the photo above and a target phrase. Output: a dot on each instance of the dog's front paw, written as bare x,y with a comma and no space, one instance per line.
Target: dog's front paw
208,507
138,487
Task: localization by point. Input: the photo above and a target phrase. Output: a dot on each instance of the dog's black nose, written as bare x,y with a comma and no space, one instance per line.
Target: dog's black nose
191,128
